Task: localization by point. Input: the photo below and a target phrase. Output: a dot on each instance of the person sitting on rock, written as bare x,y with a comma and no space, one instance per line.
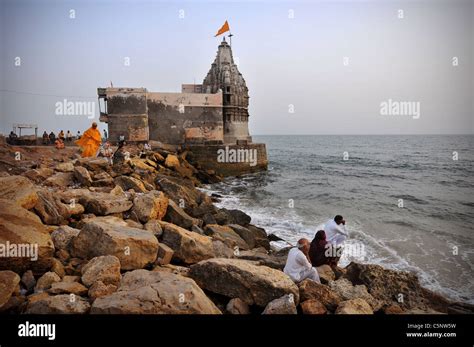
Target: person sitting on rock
335,230
59,143
320,252
298,267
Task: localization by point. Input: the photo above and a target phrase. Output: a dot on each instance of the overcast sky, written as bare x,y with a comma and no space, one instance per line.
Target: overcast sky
291,54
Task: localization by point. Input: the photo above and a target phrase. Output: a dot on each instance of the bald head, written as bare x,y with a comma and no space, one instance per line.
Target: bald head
303,245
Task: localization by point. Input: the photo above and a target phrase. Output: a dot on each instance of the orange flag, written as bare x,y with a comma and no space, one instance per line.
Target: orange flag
223,29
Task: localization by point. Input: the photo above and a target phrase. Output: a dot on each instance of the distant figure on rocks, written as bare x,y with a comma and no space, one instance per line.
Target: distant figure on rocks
105,135
52,137
318,251
62,136
78,135
120,156
59,143
298,267
90,141
68,136
336,230
45,138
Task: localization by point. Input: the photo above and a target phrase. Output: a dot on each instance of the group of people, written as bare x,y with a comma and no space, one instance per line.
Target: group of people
325,248
60,139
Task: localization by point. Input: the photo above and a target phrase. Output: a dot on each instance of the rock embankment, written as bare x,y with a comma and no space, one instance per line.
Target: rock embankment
79,236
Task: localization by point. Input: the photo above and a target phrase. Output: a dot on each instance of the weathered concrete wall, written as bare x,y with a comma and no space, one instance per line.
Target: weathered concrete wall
126,114
178,118
209,157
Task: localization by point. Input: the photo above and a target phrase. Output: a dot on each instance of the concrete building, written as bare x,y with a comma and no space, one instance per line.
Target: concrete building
214,113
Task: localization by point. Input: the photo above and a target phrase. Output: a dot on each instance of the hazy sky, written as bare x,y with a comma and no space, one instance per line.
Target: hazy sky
290,53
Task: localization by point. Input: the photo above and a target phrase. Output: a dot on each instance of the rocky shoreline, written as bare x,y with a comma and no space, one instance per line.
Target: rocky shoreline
140,238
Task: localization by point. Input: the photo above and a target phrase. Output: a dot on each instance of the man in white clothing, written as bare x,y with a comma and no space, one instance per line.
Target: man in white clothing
336,230
298,267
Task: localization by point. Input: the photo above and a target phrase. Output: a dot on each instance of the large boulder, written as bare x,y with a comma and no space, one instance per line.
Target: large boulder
135,248
152,205
388,286
50,208
347,291
46,281
326,274
105,268
189,247
237,216
236,278
260,236
39,175
22,232
313,290
94,164
226,235
181,192
9,284
260,256
354,306
19,190
155,292
178,216
59,304
283,305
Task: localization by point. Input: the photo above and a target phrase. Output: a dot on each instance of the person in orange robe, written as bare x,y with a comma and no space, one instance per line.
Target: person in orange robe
90,141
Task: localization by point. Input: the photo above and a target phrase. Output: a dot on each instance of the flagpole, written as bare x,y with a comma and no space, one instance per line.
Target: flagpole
230,38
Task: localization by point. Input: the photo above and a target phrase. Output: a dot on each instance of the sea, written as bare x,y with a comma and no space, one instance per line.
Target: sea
408,201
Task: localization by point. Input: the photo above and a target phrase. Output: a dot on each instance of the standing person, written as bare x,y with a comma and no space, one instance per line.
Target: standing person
52,137
105,135
298,267
61,136
78,135
45,138
336,230
90,141
68,136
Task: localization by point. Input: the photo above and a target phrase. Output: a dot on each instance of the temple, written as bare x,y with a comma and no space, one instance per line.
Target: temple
204,118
